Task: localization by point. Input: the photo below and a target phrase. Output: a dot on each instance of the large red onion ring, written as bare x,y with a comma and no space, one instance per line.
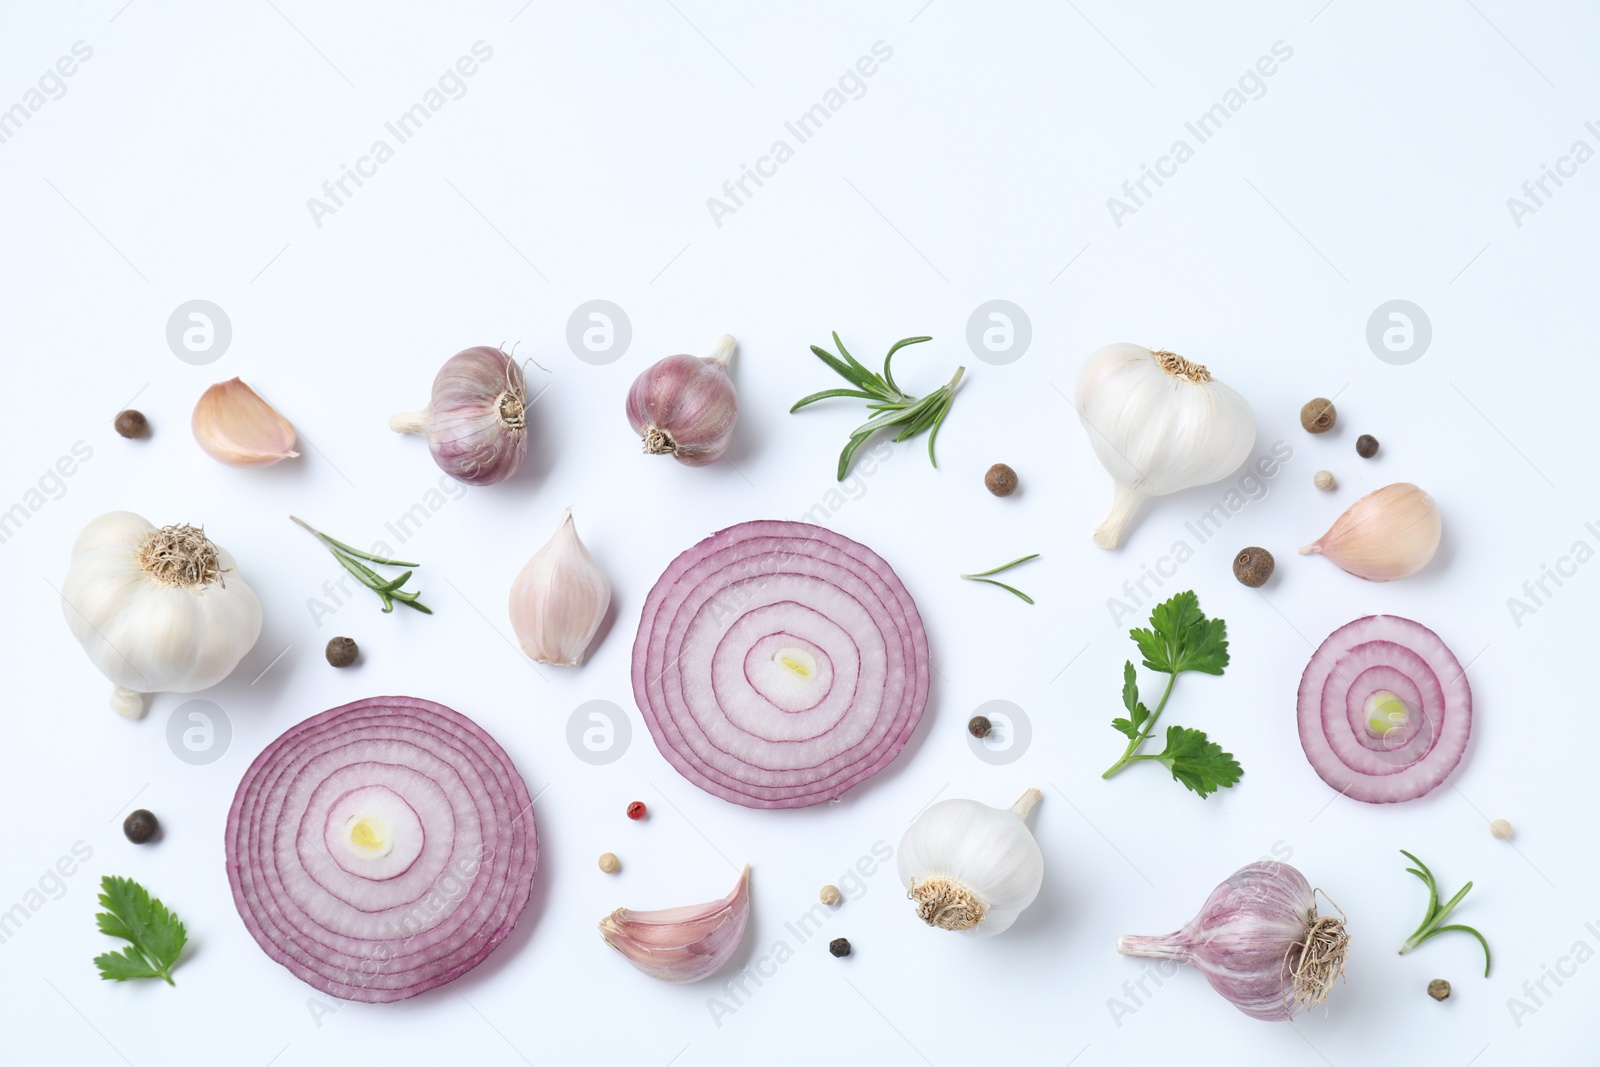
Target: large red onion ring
382,848
779,663
1385,709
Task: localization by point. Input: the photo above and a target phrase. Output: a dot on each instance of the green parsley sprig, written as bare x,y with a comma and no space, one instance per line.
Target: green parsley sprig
155,935
1180,638
892,408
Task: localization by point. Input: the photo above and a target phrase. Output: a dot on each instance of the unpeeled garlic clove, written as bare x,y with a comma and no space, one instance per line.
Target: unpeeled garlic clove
1389,533
559,599
235,426
681,944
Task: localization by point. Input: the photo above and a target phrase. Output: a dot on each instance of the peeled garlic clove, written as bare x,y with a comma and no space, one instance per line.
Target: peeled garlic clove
972,868
681,944
559,599
237,427
476,422
685,406
1389,533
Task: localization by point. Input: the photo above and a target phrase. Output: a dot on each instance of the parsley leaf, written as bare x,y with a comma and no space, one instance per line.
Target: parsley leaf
132,914
1199,763
1130,698
1180,638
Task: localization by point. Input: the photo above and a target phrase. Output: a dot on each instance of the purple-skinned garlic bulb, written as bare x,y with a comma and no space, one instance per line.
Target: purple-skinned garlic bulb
685,406
477,420
1260,942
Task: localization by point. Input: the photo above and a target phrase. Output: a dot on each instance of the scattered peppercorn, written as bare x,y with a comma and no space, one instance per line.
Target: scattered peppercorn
979,726
1318,415
829,895
609,862
1253,566
1438,989
342,651
1323,480
636,810
839,946
140,826
131,423
1501,829
1366,446
1001,480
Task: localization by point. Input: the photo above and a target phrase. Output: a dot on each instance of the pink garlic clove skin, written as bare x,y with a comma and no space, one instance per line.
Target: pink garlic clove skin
1243,939
1390,533
685,406
682,944
476,421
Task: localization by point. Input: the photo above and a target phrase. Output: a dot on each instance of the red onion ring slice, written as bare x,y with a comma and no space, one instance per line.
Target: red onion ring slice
778,664
1381,654
382,848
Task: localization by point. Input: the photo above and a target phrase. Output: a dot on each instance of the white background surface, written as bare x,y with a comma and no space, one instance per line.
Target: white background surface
976,166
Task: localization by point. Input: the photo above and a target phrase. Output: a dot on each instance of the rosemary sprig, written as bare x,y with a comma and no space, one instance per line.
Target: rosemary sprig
983,576
891,406
388,589
1437,913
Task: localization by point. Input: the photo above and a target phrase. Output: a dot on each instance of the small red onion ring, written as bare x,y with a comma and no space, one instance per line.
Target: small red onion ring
778,664
1403,666
382,848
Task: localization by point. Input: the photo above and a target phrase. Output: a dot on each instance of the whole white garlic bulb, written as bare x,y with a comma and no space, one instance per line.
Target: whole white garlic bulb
970,867
559,599
1158,424
153,609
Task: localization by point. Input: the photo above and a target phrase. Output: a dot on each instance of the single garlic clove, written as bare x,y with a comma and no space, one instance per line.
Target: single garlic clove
1390,533
235,426
681,944
559,599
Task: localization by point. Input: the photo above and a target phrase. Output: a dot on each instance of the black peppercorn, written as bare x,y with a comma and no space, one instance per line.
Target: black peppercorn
1366,446
140,826
342,651
1318,415
132,423
839,946
979,726
1001,480
1253,566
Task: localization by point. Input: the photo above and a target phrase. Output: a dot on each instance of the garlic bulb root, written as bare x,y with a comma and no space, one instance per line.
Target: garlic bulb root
947,904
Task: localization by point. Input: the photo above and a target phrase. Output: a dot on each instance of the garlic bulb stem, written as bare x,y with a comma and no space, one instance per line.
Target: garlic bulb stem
723,351
1123,506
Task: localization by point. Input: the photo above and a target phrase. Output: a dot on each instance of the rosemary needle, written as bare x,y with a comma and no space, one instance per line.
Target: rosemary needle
388,589
984,576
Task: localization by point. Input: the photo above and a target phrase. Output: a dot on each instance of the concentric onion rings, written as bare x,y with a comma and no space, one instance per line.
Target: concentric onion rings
1377,658
382,848
778,664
